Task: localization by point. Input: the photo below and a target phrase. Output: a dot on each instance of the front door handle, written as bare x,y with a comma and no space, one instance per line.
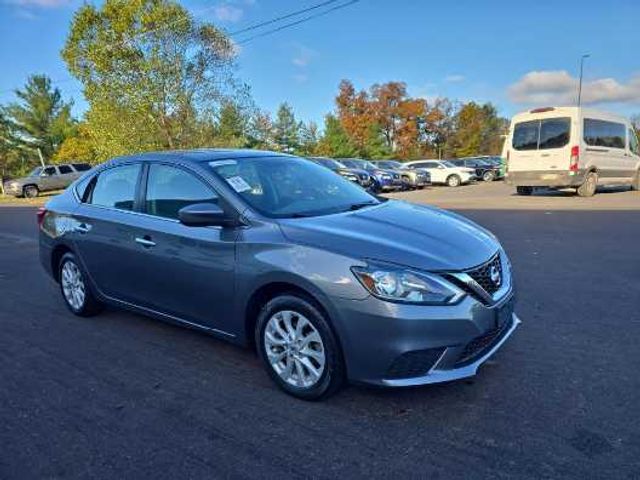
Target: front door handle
82,228
145,241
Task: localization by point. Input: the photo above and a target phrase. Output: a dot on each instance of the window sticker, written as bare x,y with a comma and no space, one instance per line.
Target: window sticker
238,184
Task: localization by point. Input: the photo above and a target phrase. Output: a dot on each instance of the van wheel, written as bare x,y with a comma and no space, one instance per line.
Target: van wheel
636,182
30,191
589,186
298,348
453,181
524,190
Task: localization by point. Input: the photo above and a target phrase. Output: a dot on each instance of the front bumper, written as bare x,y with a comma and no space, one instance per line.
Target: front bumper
399,345
12,189
546,178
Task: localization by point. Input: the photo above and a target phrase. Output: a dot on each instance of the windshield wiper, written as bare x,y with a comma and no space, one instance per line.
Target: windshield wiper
358,206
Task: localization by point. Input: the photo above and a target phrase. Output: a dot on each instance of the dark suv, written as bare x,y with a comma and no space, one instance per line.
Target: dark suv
484,170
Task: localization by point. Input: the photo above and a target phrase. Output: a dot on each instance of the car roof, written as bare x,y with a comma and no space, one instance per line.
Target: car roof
199,155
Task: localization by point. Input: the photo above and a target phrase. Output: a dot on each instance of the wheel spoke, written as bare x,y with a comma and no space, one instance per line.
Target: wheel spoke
313,371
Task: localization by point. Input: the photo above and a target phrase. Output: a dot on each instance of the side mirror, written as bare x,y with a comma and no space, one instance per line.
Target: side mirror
204,215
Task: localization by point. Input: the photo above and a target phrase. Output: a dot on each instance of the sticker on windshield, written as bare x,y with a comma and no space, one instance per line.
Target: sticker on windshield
238,184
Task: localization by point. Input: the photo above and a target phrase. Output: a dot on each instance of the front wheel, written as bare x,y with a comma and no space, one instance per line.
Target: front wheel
30,191
488,176
589,186
298,348
454,181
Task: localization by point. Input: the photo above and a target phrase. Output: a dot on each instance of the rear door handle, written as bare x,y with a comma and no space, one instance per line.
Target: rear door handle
82,228
145,241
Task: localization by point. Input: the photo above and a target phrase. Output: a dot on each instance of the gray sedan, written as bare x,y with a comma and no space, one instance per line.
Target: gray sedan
326,281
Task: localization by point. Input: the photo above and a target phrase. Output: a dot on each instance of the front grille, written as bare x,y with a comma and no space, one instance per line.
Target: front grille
414,363
482,275
479,345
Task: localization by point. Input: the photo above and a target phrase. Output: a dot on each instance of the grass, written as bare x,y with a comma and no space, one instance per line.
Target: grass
10,201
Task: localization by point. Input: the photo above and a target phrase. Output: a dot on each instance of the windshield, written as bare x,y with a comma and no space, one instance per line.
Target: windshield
448,164
361,164
390,164
35,172
286,187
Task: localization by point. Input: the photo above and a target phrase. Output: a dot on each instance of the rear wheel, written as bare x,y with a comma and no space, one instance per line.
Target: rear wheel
298,348
589,186
30,191
524,190
75,290
453,181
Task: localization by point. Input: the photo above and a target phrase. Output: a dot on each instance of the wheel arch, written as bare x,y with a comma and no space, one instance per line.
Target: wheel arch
56,255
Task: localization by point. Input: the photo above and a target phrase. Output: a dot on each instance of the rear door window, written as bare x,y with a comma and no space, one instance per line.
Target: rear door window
116,187
633,141
64,169
600,133
542,134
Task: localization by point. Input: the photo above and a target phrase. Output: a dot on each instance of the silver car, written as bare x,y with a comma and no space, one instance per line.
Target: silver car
44,179
328,282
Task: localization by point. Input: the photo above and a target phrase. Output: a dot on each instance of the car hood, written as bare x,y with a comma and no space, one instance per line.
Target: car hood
398,232
357,171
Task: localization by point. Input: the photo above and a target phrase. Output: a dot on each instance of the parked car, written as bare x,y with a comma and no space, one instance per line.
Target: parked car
483,169
411,178
383,180
326,280
361,177
444,172
43,179
498,162
559,147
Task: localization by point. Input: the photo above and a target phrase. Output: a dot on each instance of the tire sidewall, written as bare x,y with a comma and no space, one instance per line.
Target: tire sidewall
454,181
30,188
91,305
333,373
488,177
583,191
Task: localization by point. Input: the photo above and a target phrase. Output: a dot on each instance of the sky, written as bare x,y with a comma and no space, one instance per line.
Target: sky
514,54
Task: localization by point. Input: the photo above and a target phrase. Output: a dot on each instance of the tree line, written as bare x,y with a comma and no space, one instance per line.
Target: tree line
155,78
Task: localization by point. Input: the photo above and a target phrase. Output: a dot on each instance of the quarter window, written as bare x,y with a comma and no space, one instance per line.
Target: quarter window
116,187
81,167
169,189
600,133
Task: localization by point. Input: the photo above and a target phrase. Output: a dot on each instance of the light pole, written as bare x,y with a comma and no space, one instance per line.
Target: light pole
586,55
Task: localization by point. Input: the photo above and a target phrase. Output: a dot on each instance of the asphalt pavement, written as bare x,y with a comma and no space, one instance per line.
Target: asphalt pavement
123,396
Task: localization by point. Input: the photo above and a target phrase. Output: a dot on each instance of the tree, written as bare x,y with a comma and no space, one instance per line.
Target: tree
335,142
285,129
39,120
308,135
78,147
261,131
231,128
478,130
152,75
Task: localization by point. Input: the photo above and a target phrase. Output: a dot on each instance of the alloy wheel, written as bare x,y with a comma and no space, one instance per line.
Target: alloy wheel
73,285
294,349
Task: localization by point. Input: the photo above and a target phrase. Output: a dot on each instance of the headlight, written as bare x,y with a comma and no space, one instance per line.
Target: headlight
386,176
407,286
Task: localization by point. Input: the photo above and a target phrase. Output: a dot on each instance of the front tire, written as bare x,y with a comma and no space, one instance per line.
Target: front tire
298,348
488,176
454,181
589,186
30,191
76,292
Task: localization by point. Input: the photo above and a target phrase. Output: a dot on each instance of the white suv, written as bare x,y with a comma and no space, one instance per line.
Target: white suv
444,172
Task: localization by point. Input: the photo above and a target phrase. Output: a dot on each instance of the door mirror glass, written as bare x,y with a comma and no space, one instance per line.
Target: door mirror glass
203,215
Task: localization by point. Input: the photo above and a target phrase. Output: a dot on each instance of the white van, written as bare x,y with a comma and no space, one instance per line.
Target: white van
571,147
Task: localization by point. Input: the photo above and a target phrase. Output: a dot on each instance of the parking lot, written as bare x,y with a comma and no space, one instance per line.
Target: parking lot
122,395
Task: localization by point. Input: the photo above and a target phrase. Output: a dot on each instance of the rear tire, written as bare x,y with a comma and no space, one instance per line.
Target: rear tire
30,191
589,186
454,181
525,191
75,289
298,348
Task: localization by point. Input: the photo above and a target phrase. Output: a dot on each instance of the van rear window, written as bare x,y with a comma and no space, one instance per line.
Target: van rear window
542,134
